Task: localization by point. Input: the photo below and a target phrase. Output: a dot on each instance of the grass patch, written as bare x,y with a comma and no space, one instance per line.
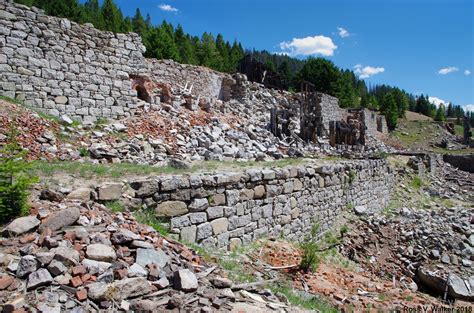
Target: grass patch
11,100
115,206
417,182
90,170
309,302
83,152
147,216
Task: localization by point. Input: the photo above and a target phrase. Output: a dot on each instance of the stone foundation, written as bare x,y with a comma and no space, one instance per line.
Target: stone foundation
229,209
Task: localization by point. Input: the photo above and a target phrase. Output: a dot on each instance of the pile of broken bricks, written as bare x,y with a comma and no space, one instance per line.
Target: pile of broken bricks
79,257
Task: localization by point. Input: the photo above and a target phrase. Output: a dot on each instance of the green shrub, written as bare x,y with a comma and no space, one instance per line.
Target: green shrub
83,152
14,180
310,259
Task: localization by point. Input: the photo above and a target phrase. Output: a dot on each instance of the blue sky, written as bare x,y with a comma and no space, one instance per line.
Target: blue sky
422,46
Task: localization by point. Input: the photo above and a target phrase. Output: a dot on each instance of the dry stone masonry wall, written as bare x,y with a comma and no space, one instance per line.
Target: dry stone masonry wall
230,209
63,67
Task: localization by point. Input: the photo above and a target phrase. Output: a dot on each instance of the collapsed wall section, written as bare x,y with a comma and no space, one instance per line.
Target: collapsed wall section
230,209
62,67
198,80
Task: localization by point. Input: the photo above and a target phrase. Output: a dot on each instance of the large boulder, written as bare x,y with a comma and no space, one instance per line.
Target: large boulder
21,225
457,288
62,219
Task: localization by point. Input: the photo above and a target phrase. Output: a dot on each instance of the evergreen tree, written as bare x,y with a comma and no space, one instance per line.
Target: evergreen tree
322,73
138,23
439,117
111,16
390,111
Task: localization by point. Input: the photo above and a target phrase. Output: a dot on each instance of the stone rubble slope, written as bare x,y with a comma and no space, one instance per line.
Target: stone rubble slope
429,247
76,256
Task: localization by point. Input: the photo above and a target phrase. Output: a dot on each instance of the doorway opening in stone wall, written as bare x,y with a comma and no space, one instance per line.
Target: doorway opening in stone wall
139,84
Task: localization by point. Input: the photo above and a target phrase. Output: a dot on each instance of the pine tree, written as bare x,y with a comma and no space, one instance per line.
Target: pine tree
390,111
14,179
112,16
439,117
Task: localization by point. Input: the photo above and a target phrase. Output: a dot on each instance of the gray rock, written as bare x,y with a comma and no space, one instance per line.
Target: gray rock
185,280
61,219
131,288
137,270
96,267
360,210
141,244
188,234
97,291
109,191
82,194
27,265
152,256
100,252
119,127
56,268
145,188
39,278
123,236
204,231
21,225
435,254
199,204
66,255
457,288
221,282
64,119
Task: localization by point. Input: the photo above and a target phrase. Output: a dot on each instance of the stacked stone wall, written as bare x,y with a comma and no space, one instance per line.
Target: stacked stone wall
230,209
62,67
330,110
200,80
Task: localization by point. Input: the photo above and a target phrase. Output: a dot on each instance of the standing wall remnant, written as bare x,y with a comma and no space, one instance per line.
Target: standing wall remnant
226,209
62,67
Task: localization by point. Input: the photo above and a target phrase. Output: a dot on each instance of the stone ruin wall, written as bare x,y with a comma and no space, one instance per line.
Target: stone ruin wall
202,81
371,122
62,67
330,110
230,209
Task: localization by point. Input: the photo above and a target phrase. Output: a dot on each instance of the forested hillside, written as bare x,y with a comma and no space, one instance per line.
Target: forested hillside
166,41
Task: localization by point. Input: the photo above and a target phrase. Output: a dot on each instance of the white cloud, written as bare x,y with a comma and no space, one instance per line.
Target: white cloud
437,101
447,70
167,8
467,72
367,71
343,32
468,107
309,46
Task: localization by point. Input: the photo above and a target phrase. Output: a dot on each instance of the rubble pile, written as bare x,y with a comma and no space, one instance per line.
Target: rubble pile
78,257
429,247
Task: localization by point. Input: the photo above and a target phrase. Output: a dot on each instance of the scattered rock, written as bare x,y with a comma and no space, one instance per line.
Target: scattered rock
185,280
21,225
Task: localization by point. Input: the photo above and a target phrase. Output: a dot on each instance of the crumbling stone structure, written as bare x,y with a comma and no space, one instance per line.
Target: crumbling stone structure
62,67
234,208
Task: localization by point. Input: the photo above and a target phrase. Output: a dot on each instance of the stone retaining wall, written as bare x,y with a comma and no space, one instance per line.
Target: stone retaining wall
62,67
230,209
